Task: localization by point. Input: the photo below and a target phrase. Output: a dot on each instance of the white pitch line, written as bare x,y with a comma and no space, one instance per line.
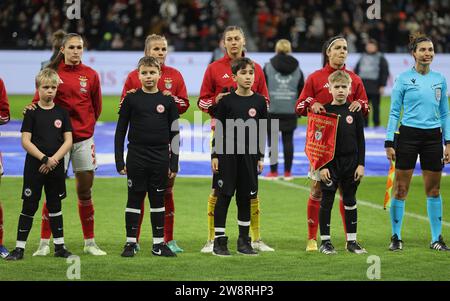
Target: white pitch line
362,202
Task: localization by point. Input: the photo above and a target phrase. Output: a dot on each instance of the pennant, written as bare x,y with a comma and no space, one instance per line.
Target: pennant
321,138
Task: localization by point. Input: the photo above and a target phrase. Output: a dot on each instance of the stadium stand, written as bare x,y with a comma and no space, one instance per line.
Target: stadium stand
196,25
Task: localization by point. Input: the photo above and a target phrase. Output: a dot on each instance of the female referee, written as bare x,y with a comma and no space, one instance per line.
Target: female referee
422,94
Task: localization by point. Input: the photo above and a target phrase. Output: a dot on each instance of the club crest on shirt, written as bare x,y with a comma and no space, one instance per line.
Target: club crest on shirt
27,192
318,133
168,83
349,119
160,108
58,123
438,93
252,112
83,81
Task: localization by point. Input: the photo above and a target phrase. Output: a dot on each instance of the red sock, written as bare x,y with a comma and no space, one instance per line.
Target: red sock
46,231
313,217
141,218
169,216
86,211
342,209
1,225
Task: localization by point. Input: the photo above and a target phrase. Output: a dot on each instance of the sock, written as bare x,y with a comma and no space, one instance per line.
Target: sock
434,209
243,204
132,216
46,231
23,230
169,214
56,224
220,214
254,219
1,225
397,211
86,212
351,219
141,218
211,205
342,210
157,212
313,217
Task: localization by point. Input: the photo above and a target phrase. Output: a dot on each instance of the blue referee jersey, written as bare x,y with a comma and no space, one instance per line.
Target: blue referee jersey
424,101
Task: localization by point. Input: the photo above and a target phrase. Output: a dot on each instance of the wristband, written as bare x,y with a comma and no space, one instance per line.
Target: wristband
388,143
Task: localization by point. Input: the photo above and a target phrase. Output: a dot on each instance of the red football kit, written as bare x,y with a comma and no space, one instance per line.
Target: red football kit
4,106
171,80
316,89
218,79
80,94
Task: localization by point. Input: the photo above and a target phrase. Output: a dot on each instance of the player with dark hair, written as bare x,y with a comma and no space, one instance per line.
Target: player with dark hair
170,83
421,94
4,118
314,96
237,160
218,82
347,167
47,137
152,153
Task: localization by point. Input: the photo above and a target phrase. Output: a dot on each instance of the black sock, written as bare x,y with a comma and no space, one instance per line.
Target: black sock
220,214
23,230
351,221
132,214
157,213
29,208
325,214
243,204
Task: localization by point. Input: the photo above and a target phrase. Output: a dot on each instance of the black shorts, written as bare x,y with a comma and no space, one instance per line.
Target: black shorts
342,171
425,143
237,173
54,183
148,179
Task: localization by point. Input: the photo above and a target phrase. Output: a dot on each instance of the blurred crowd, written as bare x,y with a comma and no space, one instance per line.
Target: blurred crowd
307,24
189,25
196,25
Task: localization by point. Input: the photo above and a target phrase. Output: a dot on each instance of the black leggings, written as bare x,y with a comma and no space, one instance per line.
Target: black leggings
288,150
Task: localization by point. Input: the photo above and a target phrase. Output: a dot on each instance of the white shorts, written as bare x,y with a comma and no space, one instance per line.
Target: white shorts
314,175
82,155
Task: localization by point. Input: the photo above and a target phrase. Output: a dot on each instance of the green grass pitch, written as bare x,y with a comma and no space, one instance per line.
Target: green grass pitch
283,222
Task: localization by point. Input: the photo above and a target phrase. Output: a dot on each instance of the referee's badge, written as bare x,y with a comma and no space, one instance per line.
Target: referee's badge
220,183
58,123
130,183
349,119
160,108
27,192
252,112
438,93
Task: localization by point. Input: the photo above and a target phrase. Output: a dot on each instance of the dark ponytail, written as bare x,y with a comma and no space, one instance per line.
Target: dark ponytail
57,42
325,47
54,63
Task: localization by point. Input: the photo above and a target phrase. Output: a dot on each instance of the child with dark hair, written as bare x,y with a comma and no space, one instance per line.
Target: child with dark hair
238,155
